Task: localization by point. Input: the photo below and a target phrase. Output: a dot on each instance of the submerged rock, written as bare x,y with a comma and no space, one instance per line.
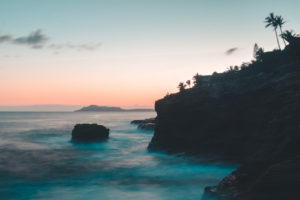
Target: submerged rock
146,124
89,133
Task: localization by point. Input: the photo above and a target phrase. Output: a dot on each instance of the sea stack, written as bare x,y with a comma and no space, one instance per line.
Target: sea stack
89,133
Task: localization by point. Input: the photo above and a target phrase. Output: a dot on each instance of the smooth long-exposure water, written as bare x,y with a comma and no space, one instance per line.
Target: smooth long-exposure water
38,161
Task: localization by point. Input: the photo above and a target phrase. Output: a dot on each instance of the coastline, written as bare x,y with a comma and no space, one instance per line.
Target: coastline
248,116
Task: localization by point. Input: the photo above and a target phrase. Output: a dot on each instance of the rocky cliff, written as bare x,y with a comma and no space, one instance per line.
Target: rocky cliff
248,115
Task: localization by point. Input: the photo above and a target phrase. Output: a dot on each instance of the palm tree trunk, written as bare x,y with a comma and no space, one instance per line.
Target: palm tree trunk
282,38
277,39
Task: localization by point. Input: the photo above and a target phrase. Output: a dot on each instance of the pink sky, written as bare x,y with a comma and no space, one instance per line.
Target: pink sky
83,81
125,53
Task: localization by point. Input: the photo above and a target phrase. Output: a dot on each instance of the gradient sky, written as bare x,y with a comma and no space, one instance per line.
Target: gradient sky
125,53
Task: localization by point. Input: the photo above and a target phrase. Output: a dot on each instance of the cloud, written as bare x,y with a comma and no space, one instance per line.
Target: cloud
55,46
89,47
35,39
79,47
5,38
231,51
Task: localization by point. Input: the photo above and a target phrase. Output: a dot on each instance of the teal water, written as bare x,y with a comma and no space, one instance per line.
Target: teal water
38,161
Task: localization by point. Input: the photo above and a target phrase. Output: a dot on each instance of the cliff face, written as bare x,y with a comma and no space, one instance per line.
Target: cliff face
239,118
248,116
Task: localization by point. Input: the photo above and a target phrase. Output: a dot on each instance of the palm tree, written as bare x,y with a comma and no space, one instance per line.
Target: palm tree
289,36
271,21
280,21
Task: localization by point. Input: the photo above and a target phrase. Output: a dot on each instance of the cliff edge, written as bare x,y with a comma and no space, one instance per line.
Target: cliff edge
248,115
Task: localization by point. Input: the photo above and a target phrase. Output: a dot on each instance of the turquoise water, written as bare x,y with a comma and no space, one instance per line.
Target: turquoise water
38,161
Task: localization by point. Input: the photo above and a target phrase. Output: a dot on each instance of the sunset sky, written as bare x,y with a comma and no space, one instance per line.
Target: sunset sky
125,53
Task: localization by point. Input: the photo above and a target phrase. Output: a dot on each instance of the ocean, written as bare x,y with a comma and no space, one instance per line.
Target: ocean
39,161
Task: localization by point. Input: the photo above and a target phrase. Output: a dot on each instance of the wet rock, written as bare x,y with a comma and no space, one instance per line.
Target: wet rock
259,181
89,133
146,124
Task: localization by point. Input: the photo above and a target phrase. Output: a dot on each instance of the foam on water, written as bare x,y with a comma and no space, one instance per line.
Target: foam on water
38,161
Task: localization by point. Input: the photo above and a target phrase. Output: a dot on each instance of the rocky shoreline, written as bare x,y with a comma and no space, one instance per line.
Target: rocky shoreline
260,181
250,116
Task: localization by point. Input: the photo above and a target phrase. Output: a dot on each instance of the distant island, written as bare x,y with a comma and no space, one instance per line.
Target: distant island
95,108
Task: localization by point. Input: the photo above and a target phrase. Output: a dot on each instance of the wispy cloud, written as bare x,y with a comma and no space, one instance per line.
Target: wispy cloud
5,38
35,39
89,47
79,47
55,46
231,51
38,40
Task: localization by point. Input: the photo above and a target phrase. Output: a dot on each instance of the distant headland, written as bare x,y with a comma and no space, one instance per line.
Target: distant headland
95,108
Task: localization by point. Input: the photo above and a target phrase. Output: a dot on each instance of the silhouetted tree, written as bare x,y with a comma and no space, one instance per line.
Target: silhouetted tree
181,87
258,52
230,69
255,49
289,36
280,21
197,80
188,82
271,21
244,65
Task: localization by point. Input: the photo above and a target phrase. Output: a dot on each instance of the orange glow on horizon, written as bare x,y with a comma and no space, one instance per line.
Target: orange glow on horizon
72,96
129,81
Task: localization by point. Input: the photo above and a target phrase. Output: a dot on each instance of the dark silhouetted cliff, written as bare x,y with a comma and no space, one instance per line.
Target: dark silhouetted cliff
248,115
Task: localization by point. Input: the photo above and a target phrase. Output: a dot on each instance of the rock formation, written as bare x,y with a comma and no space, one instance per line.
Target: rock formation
89,133
146,124
250,116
